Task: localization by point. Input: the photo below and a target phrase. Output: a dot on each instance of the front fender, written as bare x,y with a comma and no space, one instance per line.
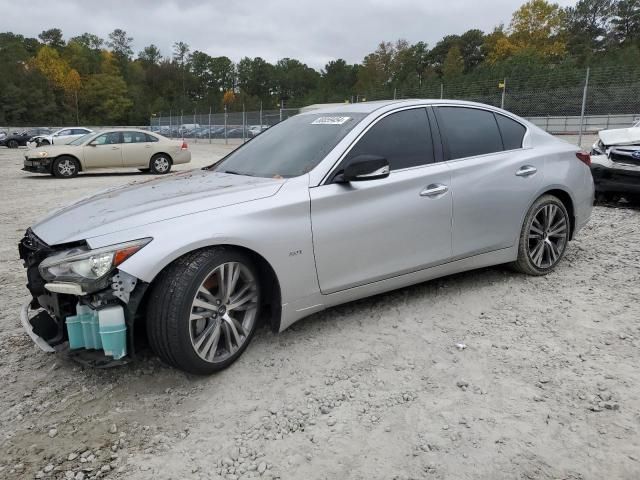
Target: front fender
277,228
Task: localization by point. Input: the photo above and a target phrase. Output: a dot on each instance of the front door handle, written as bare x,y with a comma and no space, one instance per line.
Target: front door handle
526,170
434,190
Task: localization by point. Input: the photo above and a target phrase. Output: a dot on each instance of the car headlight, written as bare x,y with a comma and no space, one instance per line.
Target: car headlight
43,154
85,266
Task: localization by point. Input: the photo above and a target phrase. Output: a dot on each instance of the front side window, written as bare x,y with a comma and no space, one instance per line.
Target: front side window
403,138
469,131
111,138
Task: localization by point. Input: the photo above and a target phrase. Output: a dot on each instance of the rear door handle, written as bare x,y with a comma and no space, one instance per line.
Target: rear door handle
115,148
434,190
526,170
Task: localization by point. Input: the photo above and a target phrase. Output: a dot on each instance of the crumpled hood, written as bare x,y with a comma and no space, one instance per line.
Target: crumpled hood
151,201
620,136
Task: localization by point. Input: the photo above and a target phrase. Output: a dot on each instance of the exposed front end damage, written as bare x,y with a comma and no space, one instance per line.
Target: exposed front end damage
617,174
83,320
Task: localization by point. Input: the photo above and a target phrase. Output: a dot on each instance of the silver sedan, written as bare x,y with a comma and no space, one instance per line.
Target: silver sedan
327,207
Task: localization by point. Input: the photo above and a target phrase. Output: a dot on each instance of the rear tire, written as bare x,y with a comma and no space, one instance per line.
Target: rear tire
65,167
544,236
192,323
160,164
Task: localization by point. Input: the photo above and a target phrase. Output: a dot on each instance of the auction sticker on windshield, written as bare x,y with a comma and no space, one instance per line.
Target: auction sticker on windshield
330,120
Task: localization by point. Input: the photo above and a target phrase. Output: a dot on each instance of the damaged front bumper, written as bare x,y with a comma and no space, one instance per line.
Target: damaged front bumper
95,328
615,177
37,165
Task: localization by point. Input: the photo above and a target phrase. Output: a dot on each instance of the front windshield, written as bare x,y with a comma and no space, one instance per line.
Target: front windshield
80,140
291,148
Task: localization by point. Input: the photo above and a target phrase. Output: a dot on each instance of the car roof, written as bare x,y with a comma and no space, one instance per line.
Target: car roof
368,107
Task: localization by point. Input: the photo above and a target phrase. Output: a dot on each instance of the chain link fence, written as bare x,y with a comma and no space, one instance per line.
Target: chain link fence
218,126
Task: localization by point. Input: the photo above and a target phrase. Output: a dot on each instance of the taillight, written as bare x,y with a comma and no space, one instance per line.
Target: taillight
185,146
584,157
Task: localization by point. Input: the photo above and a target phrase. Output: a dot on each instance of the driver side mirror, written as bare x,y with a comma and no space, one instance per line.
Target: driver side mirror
362,168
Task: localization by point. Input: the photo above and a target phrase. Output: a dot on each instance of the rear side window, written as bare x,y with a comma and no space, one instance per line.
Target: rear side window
512,132
134,137
151,138
403,138
469,131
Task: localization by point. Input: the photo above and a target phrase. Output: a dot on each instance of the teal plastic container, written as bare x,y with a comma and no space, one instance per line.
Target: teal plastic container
74,331
98,329
113,331
91,329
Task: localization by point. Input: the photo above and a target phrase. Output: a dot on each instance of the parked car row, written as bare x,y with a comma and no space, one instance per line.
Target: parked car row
213,131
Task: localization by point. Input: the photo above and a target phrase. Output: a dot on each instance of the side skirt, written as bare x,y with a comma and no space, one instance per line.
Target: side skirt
294,311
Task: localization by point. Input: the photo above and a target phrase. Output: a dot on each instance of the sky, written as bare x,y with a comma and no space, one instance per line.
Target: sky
313,32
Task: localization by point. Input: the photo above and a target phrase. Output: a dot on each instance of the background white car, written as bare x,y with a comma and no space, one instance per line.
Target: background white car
61,137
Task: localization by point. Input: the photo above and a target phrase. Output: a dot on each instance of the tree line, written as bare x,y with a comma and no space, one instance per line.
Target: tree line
90,80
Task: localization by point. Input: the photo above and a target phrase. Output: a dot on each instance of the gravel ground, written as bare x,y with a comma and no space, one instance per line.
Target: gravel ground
546,386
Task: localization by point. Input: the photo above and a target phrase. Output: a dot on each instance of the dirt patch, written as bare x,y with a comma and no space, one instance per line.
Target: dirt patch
546,386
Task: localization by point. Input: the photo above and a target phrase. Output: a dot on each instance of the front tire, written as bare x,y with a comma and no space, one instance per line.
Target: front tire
203,310
65,167
544,236
13,144
160,164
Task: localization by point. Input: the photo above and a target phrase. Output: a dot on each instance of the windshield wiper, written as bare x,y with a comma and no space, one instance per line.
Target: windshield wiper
234,172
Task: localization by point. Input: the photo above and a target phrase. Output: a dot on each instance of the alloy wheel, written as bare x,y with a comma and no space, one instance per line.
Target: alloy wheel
66,168
547,236
223,312
161,164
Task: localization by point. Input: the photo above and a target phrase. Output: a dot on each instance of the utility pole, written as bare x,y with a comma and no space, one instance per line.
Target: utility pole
504,91
584,104
441,91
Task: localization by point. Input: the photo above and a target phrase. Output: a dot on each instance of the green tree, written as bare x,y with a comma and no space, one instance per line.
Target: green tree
150,55
626,21
52,38
587,26
120,44
104,99
453,65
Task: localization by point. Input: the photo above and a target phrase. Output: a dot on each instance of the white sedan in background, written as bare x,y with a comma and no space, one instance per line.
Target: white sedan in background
61,137
146,151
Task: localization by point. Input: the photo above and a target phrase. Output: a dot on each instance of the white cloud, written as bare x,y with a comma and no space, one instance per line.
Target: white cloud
311,31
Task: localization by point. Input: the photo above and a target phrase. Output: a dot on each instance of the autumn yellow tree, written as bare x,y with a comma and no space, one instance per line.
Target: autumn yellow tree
228,98
59,74
537,26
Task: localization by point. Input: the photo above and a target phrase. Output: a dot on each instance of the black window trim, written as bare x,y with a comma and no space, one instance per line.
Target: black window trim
445,145
328,178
